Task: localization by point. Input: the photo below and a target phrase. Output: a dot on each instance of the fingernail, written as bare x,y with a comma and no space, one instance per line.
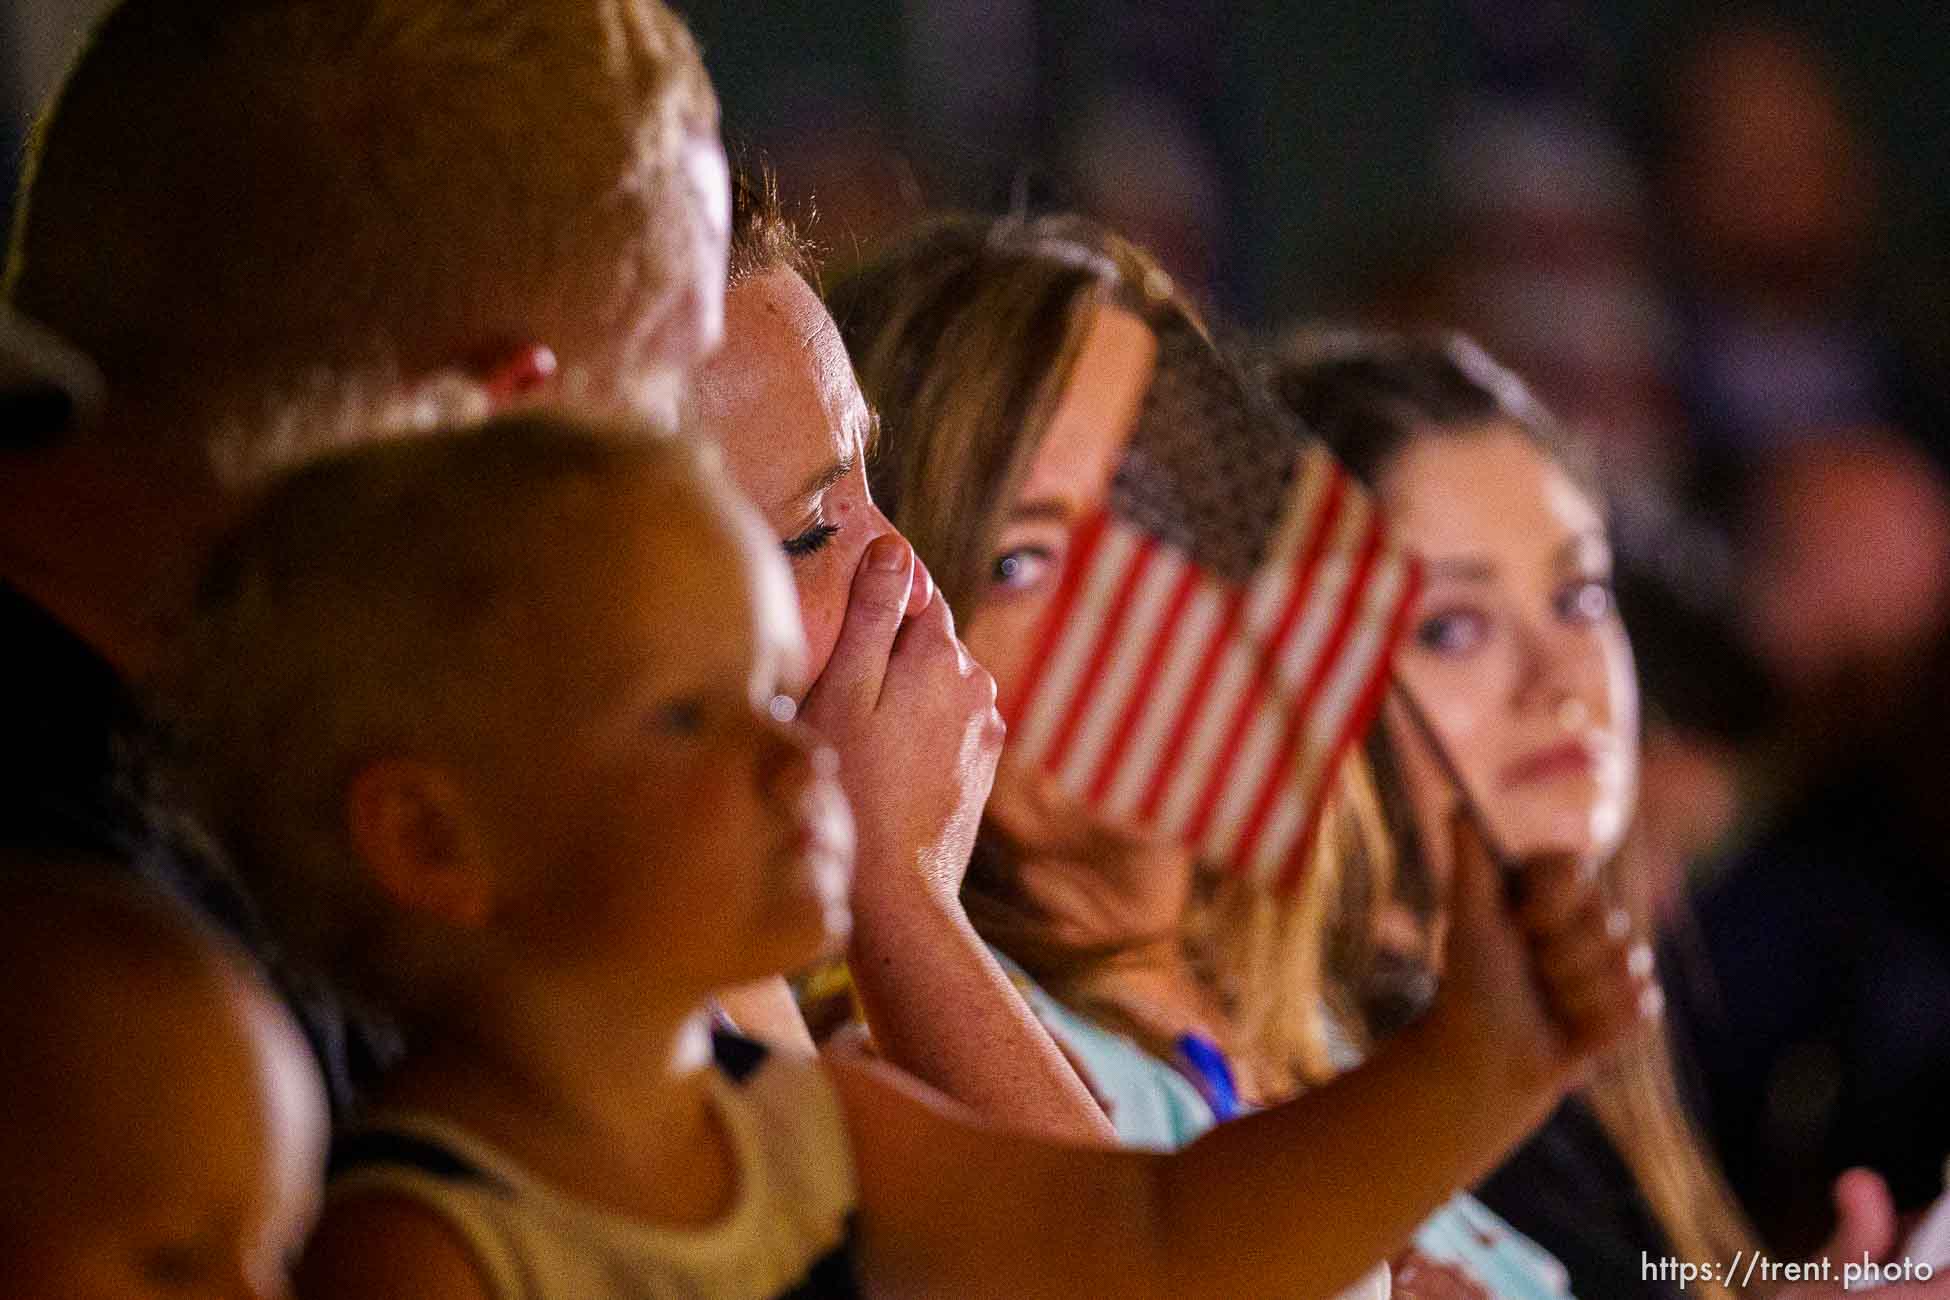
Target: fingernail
1640,961
1652,1004
1618,923
888,554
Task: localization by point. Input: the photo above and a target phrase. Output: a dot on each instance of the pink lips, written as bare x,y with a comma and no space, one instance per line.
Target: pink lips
1568,758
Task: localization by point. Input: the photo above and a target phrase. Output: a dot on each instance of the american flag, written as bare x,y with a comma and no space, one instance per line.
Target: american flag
1223,631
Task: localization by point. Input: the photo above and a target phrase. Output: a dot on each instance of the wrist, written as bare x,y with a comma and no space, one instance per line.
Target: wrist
904,876
1484,1064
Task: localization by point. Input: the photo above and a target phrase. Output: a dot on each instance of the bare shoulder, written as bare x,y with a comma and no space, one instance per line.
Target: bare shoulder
389,1248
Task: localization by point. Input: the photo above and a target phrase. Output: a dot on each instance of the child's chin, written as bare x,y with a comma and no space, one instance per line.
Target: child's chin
820,928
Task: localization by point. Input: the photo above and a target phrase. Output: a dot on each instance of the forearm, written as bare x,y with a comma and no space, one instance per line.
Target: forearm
1302,1200
1338,1180
943,1010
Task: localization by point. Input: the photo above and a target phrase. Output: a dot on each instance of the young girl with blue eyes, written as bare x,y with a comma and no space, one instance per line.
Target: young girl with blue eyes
499,725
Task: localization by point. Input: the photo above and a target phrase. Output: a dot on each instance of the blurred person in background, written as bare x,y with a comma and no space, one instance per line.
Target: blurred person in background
1771,196
1817,960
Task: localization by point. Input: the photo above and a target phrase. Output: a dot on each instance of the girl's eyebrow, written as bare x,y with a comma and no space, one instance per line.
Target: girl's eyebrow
1044,508
1591,542
1461,568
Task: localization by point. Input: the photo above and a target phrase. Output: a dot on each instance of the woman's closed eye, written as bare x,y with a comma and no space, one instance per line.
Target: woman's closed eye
811,540
1453,631
1022,568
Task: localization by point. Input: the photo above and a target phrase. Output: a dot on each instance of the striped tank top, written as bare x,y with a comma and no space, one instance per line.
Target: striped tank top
788,1235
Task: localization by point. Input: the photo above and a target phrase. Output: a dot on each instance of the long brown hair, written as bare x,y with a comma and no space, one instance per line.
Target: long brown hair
964,336
1369,396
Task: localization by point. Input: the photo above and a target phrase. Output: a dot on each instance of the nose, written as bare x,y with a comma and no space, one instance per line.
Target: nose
1554,674
1540,667
875,524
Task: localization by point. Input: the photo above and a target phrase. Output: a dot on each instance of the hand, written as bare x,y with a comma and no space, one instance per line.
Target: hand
1418,1277
1865,1218
1865,1228
1535,989
914,722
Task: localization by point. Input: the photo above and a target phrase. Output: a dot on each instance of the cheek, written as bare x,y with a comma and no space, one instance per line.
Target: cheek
1001,638
1464,704
823,582
1621,689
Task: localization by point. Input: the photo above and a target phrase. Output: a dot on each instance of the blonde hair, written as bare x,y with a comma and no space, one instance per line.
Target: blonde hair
223,196
361,609
963,336
1369,396
1268,954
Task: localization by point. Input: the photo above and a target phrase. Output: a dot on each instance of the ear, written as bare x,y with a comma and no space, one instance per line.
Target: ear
508,373
410,824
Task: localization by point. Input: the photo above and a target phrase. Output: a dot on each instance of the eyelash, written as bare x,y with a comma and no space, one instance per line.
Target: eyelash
1432,630
813,539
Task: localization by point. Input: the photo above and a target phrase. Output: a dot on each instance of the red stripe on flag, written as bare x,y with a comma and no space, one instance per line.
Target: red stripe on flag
1083,549
1297,719
1356,725
1084,694
1242,717
1147,676
1181,729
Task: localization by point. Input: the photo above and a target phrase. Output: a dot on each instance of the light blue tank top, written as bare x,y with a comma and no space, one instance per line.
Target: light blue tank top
1154,1106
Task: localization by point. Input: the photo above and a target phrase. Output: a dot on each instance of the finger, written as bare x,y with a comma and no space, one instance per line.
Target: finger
1605,1022
1865,1217
875,608
1596,937
1556,889
927,640
1626,992
923,592
1614,978
1477,889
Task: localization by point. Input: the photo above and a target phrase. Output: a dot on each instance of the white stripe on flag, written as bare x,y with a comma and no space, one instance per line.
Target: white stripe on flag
1149,603
1269,584
1166,698
1202,754
1328,716
1327,599
1250,773
1317,472
1084,621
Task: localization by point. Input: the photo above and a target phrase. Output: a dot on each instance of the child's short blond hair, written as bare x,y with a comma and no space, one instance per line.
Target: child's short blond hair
360,611
227,193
